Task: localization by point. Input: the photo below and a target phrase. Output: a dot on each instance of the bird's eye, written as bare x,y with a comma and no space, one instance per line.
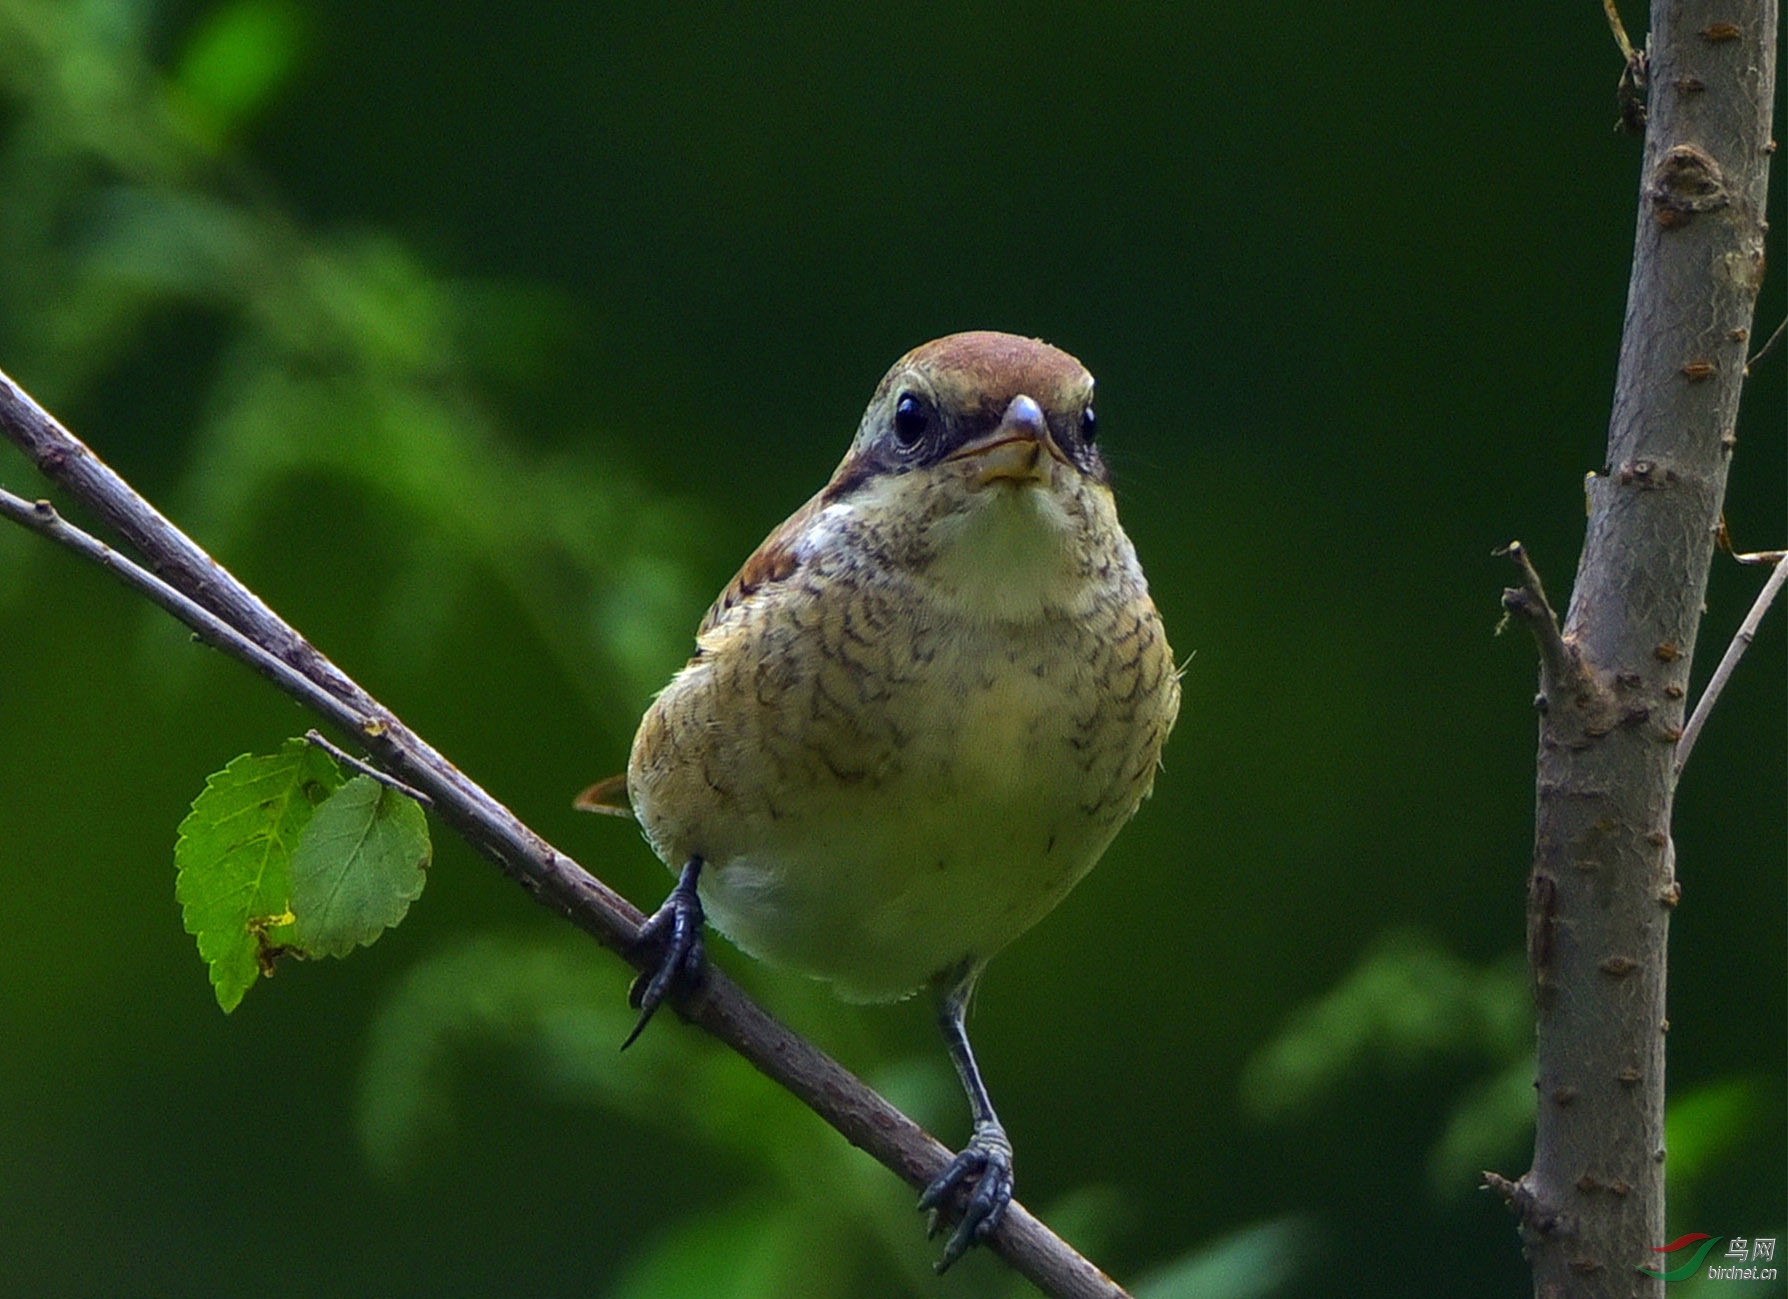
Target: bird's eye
1089,425
911,419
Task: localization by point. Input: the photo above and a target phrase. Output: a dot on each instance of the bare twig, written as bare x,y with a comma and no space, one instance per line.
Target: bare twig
65,460
1769,345
1634,88
365,768
1741,641
198,591
1563,675
1520,1200
41,517
1528,602
1619,29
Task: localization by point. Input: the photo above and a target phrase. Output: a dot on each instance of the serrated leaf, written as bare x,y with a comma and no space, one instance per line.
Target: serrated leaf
234,856
360,863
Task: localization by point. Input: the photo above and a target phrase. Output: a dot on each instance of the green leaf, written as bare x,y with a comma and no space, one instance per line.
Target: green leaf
234,859
360,863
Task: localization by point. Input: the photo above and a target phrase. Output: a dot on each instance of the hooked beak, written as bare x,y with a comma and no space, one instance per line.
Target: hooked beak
1018,451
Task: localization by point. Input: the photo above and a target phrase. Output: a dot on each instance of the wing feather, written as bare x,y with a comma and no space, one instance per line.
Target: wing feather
776,560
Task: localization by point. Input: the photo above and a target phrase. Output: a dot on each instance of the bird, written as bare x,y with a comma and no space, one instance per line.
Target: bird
917,716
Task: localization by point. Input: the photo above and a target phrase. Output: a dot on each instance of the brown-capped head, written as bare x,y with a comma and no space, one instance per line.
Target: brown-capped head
957,393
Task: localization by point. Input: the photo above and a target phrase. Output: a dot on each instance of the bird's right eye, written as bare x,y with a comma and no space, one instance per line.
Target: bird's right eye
911,420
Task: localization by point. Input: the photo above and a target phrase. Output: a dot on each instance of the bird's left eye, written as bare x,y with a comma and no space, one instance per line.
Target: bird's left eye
911,419
1089,425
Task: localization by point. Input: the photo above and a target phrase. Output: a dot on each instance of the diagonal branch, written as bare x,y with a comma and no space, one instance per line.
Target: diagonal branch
1769,345
201,593
1741,641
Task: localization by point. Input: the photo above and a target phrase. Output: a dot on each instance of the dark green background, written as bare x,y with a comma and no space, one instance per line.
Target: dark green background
1351,279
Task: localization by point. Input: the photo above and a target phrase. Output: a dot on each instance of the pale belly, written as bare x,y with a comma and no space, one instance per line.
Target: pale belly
878,829
980,833
887,778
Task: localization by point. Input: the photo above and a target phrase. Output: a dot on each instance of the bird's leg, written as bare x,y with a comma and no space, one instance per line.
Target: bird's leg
675,930
988,1156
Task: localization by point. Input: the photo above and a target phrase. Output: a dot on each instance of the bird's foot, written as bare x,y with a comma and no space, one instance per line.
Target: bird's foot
674,931
988,1160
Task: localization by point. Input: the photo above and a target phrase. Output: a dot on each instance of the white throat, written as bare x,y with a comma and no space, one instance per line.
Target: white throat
1010,557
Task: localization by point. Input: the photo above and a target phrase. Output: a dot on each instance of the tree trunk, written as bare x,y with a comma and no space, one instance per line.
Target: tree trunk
1612,684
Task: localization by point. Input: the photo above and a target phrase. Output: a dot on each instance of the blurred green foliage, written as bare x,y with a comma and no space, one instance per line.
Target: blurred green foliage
483,342
1407,1005
238,58
342,356
807,1214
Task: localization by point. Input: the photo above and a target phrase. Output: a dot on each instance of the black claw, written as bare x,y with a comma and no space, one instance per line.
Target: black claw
988,1160
675,929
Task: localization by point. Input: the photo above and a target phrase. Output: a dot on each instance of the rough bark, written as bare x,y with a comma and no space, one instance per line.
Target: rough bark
1613,679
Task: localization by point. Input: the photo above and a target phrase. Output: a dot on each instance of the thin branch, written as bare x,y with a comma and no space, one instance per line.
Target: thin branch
1633,89
1528,602
1769,345
1619,29
365,768
201,593
1519,1197
65,460
1560,667
41,517
1741,641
